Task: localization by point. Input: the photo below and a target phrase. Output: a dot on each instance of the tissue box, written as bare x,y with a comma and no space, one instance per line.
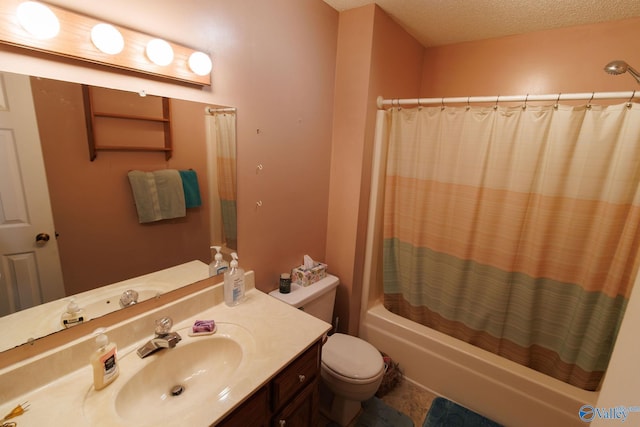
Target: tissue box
305,277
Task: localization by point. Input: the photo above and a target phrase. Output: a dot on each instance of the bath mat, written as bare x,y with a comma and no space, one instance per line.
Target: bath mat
445,413
376,413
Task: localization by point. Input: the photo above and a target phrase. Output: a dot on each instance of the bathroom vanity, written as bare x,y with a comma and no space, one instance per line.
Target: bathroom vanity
261,367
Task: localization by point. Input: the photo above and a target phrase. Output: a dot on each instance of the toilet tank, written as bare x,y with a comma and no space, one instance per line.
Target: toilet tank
317,299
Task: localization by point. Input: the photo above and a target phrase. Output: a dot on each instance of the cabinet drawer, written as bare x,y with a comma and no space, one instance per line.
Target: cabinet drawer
296,376
302,411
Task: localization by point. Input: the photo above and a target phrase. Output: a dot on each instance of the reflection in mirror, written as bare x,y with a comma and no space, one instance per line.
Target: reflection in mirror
89,229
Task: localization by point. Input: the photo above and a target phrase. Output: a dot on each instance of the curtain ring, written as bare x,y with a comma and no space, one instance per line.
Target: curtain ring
555,107
524,106
441,104
590,99
629,102
495,107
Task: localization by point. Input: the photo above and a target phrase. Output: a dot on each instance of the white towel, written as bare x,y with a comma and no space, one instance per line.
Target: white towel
158,195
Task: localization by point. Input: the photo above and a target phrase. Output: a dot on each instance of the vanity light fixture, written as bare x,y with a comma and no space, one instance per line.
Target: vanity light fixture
38,20
107,38
159,52
54,30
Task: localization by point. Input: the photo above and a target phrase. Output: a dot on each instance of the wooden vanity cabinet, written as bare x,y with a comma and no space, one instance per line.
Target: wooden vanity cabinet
253,412
290,399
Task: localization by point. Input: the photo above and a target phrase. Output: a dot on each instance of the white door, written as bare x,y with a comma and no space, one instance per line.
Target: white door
29,266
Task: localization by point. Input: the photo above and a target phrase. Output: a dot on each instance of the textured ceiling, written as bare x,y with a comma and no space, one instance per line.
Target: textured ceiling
441,22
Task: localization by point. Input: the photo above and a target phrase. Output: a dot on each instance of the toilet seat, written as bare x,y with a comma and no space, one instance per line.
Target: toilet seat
352,359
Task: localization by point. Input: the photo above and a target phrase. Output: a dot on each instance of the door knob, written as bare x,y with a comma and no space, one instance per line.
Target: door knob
42,238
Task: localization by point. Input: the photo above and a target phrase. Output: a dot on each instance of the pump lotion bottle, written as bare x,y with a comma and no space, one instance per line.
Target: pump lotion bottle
219,265
233,283
104,361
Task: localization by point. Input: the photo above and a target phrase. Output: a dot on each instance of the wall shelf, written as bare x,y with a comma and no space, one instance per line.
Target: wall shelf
92,116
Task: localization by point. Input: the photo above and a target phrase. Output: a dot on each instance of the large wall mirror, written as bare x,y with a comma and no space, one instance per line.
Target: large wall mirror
93,238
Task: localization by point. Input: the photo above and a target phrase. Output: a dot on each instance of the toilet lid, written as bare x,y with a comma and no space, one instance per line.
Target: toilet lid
351,357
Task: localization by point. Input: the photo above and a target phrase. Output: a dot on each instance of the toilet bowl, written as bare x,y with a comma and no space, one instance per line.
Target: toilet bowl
352,370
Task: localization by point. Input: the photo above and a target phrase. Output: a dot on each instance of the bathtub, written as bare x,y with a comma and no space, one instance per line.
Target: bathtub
490,385
502,390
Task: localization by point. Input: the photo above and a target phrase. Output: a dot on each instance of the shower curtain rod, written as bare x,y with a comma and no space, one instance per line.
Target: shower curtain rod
588,96
211,110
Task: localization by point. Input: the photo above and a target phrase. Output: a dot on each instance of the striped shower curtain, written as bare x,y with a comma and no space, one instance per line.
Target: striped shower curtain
221,135
516,229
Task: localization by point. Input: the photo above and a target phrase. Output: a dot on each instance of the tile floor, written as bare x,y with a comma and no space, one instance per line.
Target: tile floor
408,398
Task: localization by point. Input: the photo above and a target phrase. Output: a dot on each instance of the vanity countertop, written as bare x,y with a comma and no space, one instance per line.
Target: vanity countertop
280,333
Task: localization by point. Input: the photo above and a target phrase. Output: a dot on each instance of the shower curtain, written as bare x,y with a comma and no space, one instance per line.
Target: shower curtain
221,143
515,229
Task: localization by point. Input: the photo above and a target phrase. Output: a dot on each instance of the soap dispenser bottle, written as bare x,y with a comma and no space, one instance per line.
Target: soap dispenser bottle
233,283
74,315
104,361
219,265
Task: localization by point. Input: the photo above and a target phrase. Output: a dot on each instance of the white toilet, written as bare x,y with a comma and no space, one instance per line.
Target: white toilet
352,369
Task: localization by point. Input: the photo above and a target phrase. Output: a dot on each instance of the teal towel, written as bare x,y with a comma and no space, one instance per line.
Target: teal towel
191,188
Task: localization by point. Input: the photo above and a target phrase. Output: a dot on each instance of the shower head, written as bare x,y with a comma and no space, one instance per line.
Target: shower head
621,67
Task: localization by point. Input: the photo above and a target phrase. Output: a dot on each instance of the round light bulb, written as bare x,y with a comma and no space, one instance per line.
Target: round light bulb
107,38
159,52
38,20
200,63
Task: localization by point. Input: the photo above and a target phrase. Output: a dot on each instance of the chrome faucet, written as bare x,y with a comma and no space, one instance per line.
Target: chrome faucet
164,338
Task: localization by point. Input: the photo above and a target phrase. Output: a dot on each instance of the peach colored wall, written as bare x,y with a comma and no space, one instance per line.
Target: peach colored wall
100,239
285,120
374,56
275,62
349,125
563,60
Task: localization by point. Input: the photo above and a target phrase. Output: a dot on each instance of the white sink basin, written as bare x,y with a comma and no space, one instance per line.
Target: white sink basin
171,383
196,373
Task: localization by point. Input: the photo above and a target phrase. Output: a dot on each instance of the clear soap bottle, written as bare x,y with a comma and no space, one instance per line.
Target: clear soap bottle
104,361
219,265
233,283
